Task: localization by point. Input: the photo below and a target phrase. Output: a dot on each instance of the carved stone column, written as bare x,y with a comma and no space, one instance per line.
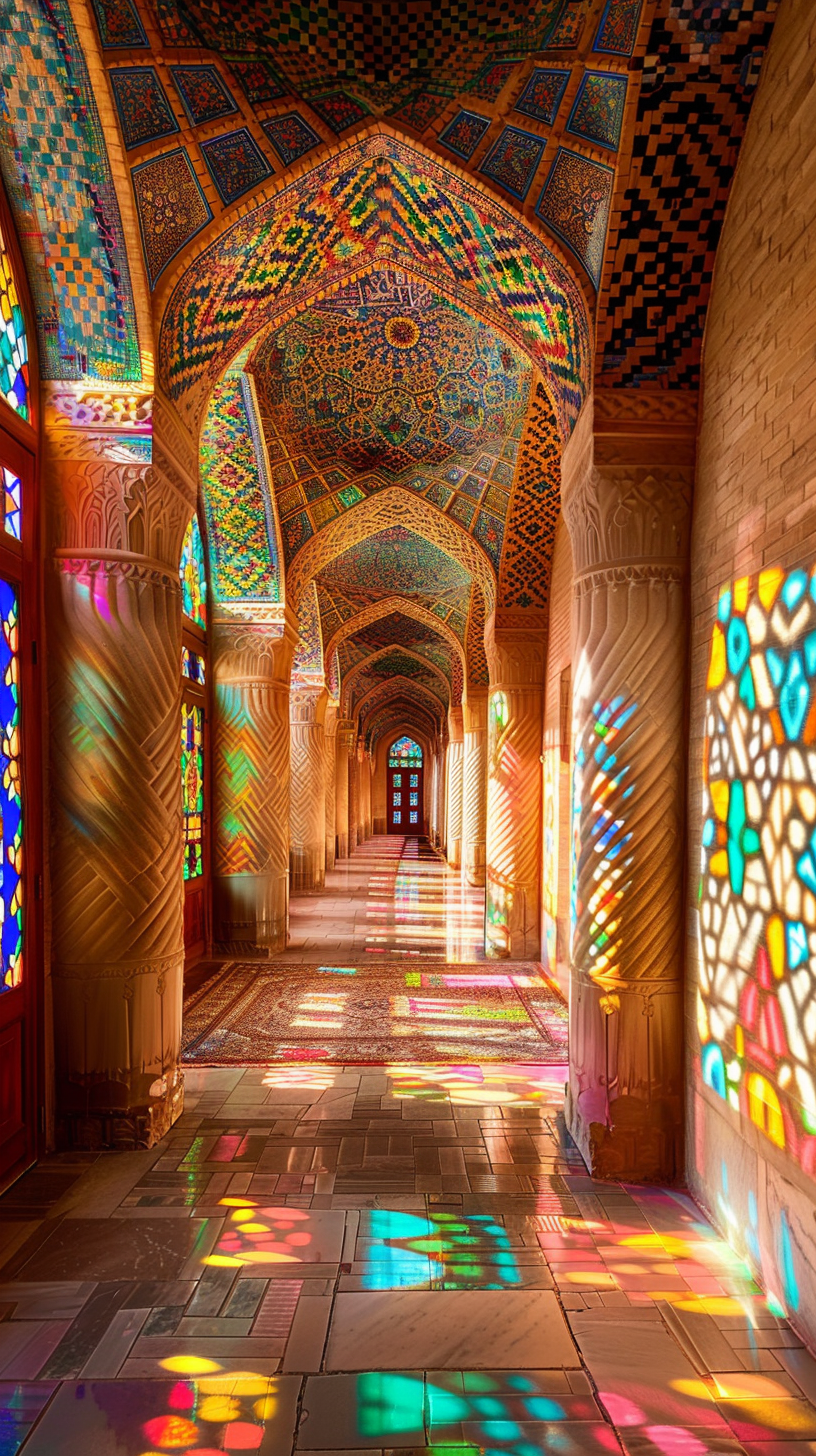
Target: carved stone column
307,792
353,798
330,775
251,664
114,654
474,803
626,491
454,788
365,796
345,740
440,791
515,655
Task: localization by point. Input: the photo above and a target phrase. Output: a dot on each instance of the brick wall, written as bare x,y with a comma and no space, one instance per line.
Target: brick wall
755,509
556,751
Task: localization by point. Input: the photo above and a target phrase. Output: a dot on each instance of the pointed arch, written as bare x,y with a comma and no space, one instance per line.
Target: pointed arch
369,663
388,606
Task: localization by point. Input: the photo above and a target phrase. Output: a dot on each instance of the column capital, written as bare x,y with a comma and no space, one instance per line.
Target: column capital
254,651
346,733
307,704
474,710
456,730
515,654
626,484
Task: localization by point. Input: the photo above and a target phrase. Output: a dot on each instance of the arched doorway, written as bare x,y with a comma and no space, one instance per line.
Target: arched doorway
405,787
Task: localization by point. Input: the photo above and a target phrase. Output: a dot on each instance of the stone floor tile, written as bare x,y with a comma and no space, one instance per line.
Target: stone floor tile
368,1411
461,1329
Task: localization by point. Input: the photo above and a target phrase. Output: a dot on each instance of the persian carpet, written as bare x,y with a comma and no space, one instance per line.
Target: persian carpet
251,1014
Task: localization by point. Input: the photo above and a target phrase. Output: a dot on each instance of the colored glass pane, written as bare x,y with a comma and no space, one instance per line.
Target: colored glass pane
193,575
12,504
405,753
11,827
13,343
192,666
192,787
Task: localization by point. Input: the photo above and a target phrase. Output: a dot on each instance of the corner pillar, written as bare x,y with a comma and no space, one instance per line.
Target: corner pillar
454,788
251,663
307,792
330,776
626,491
515,654
345,738
474,796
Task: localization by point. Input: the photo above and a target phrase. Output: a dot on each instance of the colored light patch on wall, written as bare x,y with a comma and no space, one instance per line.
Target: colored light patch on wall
61,189
11,808
603,838
237,497
757,899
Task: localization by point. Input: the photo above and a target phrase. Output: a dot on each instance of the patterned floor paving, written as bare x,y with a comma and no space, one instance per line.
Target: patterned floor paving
406,1259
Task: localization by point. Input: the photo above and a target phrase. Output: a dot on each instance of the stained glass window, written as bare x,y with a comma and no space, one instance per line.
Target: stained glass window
192,666
192,787
11,826
13,342
12,503
757,986
193,575
405,753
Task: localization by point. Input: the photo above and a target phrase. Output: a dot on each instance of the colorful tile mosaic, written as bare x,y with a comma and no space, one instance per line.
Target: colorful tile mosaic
256,78
237,497
145,114
60,186
492,80
14,373
204,94
291,136
174,28
119,24
392,663
513,160
372,196
575,203
339,110
404,379
394,562
308,660
524,578
617,31
597,111
569,28
235,163
420,110
543,93
649,331
171,205
463,134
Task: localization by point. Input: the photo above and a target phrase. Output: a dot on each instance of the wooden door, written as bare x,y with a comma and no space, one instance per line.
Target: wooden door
405,800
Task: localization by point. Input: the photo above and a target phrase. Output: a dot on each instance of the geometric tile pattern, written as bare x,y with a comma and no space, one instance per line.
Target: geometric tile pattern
372,196
171,205
692,91
463,134
203,93
119,24
338,110
524,579
61,190
568,30
257,79
291,137
575,203
542,95
392,663
237,500
492,79
235,163
145,113
617,31
419,110
394,562
308,660
513,159
597,111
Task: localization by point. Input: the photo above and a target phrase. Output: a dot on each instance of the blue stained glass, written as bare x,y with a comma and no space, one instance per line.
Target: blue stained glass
11,825
405,753
193,575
